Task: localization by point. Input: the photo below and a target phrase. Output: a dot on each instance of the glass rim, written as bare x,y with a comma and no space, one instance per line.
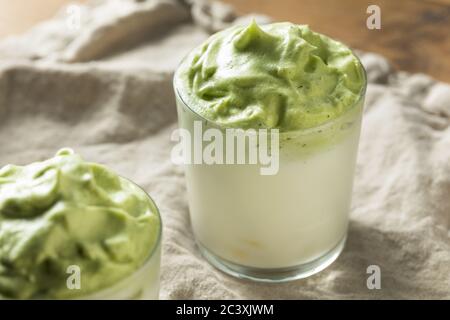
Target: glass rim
305,131
148,260
116,285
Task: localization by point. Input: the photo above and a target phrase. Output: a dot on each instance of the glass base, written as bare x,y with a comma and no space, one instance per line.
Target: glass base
277,274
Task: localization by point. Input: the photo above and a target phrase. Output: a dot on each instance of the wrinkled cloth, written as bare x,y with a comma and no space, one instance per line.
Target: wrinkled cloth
104,88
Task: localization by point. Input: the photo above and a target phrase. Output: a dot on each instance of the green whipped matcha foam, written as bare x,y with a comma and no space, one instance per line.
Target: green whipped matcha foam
279,75
67,212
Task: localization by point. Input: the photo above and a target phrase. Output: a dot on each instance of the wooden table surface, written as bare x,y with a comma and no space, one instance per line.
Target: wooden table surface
414,34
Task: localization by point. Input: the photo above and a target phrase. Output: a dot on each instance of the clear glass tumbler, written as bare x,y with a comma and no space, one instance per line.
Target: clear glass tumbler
142,284
278,227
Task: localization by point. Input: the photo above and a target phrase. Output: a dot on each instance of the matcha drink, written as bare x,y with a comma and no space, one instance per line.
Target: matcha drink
63,216
311,88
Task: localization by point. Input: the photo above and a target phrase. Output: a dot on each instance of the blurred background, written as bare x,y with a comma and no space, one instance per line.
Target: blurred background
414,35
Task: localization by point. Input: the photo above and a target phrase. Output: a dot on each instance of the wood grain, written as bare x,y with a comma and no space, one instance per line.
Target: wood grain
16,16
414,35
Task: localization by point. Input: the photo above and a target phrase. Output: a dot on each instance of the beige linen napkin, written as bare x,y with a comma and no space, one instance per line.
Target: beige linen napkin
104,87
